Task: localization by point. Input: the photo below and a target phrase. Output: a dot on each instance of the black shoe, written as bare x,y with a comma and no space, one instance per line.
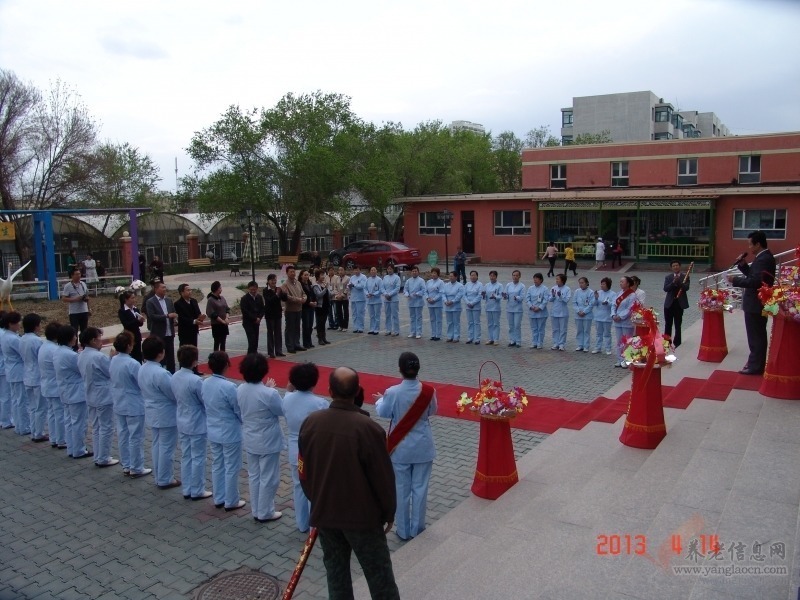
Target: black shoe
271,355
300,349
87,455
289,351
280,354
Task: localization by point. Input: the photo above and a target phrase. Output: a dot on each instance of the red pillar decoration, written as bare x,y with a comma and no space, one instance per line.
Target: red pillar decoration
497,469
193,245
125,255
782,374
337,238
713,345
373,231
644,426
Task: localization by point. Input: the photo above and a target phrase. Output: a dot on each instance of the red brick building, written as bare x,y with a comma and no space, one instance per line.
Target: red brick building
696,199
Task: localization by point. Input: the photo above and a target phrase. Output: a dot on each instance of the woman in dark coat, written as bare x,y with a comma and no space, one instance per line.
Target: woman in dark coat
308,309
131,320
217,311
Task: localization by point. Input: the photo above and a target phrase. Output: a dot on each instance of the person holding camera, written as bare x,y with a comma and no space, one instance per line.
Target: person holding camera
76,295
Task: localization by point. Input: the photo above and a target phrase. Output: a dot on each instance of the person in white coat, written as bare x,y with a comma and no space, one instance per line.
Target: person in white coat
493,294
473,298
536,300
604,299
29,345
412,456
260,406
94,365
414,290
15,373
49,387
621,315
514,295
583,301
299,402
6,418
560,296
72,392
391,300
374,294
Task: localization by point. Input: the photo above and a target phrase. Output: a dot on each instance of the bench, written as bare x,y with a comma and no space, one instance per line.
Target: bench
197,263
234,269
288,260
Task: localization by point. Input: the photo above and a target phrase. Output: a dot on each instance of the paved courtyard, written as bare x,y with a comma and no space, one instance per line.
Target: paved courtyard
69,530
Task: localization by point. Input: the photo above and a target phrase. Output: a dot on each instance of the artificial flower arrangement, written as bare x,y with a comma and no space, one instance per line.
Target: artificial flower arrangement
493,400
715,300
781,301
135,286
643,316
635,350
790,275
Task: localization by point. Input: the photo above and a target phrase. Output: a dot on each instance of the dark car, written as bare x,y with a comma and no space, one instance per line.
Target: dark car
335,256
381,254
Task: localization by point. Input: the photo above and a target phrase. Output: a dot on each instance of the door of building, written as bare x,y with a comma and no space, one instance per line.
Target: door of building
468,231
626,234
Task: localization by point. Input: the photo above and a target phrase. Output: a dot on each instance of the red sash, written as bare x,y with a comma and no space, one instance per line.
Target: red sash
622,296
406,424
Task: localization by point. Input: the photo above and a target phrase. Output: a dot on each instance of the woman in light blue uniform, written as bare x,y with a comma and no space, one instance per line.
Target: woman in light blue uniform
514,295
453,296
188,389
391,300
621,315
261,405
128,406
6,420
94,366
49,387
414,290
434,294
358,298
560,296
604,299
583,300
536,300
493,293
72,392
374,294
15,374
413,457
297,404
473,298
224,422
29,346
160,412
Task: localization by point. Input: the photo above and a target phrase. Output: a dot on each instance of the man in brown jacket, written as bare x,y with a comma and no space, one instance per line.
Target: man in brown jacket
346,473
295,298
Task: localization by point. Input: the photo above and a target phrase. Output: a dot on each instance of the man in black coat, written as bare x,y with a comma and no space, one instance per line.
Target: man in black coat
189,316
760,271
676,285
252,305
161,314
272,315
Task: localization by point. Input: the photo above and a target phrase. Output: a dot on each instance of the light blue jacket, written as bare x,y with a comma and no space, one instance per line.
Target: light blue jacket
473,294
434,290
623,311
29,345
516,296
93,366
15,365
188,390
70,384
357,285
2,356
583,300
223,417
602,308
47,370
415,291
391,288
125,390
560,303
160,406
417,446
260,407
537,296
493,292
296,407
374,290
453,292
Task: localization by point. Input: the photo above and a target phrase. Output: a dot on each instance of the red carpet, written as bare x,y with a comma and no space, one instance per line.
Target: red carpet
545,415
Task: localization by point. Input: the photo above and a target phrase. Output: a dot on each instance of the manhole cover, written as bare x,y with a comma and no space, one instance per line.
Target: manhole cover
242,584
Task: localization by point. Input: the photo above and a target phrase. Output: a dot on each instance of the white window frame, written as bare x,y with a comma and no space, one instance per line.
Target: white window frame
500,230
747,174
436,227
741,229
619,174
559,177
687,171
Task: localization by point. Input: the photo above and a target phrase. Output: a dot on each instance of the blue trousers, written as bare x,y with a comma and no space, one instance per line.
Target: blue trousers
493,325
435,313
559,331
474,324
625,331
6,406
102,419
602,336
411,481
37,407
130,435
19,408
392,310
374,317
76,430
453,324
163,452
584,335
415,316
302,505
357,309
537,331
264,471
193,464
55,421
515,327
226,462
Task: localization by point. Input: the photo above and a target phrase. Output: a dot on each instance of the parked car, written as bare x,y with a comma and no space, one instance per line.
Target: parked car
381,254
335,256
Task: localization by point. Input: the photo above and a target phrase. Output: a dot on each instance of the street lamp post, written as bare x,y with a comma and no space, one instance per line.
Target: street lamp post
251,220
447,217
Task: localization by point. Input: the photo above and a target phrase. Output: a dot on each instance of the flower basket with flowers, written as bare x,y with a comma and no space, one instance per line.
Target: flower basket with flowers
789,275
715,300
641,316
491,400
635,350
781,301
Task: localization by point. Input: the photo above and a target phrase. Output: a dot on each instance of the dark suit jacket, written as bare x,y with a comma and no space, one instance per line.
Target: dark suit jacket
252,309
130,323
158,320
187,313
762,270
672,287
272,303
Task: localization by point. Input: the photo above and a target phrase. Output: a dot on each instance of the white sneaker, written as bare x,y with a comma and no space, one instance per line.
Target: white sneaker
419,337
236,506
561,348
554,348
578,349
410,335
608,353
595,351
585,349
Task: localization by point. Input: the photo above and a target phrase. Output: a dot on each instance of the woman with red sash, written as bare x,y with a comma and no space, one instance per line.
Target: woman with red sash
409,405
621,315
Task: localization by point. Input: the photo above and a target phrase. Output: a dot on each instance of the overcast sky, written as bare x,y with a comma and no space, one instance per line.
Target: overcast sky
154,72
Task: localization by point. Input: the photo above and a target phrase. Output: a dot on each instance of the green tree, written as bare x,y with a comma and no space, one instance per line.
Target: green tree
473,163
604,137
541,137
507,151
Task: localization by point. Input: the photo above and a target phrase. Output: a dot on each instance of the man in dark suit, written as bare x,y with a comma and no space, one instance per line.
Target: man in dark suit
676,285
252,305
760,271
162,316
189,316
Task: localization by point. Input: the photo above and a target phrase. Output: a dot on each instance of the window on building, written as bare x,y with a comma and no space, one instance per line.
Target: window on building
677,121
431,223
566,118
771,221
566,140
749,169
663,115
663,136
558,176
512,222
619,174
687,171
